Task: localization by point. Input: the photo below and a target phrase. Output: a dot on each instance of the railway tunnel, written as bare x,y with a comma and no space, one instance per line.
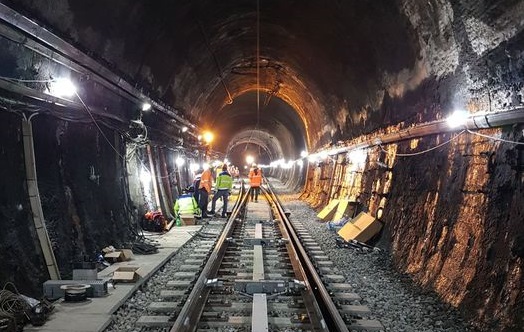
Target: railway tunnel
338,99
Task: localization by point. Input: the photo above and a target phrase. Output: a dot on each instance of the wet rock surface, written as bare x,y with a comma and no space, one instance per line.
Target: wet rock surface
393,298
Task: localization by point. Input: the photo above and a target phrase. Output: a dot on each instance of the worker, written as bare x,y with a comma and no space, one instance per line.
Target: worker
224,183
204,189
255,181
186,205
195,185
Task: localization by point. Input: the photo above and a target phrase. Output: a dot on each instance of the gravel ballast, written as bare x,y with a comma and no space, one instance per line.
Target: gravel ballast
399,304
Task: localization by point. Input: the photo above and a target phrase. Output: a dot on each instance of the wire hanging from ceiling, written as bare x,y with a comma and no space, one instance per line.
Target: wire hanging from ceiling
258,74
258,62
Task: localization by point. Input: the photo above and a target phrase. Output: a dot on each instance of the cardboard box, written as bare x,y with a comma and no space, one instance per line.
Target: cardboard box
126,274
187,219
128,254
329,210
115,256
362,228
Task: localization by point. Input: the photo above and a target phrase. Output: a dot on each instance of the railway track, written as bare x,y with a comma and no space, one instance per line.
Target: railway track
264,273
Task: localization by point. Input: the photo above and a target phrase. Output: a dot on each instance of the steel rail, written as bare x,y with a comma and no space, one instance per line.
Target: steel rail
332,318
310,302
188,318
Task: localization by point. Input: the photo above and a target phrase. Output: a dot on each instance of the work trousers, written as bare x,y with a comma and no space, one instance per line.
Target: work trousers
203,201
220,193
254,193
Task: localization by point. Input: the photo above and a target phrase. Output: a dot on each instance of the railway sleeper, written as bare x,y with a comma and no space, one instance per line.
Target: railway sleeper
179,284
162,307
189,267
239,321
239,306
155,321
365,325
354,310
349,297
169,294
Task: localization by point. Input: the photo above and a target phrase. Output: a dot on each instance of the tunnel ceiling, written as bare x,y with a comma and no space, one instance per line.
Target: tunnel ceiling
334,63
201,55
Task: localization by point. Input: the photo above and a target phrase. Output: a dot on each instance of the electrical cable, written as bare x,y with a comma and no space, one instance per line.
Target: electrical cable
258,61
428,150
26,81
99,129
258,75
495,138
217,64
12,305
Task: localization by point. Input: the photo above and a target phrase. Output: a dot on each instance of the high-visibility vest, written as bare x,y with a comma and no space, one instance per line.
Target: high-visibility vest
186,204
224,181
206,181
255,180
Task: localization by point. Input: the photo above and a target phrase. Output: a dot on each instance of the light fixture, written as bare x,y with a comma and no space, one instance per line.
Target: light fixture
145,177
250,159
357,156
205,166
184,129
62,87
208,137
179,161
194,167
300,163
457,119
146,106
303,154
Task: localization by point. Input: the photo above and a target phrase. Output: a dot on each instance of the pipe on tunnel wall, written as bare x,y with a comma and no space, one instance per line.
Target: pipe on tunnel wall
484,121
82,63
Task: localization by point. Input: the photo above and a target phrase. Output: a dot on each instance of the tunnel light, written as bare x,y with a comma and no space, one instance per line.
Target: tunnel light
146,106
457,119
194,167
208,137
304,154
179,161
62,87
250,159
323,154
199,137
245,166
312,158
205,166
184,129
145,177
216,163
300,163
226,161
358,157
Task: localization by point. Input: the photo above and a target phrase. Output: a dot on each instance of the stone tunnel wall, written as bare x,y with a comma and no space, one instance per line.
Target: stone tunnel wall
82,185
452,217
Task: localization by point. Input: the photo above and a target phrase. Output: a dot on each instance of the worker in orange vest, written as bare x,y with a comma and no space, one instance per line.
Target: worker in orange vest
206,182
255,181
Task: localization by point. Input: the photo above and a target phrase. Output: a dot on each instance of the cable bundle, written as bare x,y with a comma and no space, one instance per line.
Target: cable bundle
13,307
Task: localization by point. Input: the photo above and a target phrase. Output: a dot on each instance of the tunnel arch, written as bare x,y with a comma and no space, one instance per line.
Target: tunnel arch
277,126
